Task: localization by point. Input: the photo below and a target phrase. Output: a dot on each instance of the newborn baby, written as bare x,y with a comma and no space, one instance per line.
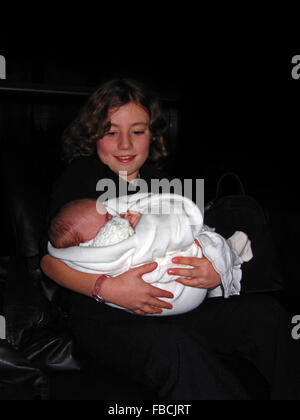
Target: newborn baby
87,237
80,223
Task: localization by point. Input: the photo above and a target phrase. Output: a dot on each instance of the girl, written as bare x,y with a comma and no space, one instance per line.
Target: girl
120,130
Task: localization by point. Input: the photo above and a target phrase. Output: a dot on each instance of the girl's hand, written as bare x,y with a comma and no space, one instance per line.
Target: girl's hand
202,275
130,291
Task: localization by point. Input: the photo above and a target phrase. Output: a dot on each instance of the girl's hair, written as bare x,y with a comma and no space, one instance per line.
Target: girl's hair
80,138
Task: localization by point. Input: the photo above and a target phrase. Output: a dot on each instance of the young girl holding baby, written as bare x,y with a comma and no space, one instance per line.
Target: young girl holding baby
121,129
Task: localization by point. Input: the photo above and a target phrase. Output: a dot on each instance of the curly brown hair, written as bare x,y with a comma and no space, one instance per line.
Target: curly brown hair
81,136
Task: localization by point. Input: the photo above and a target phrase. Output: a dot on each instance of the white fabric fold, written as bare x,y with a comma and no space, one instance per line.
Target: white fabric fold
226,256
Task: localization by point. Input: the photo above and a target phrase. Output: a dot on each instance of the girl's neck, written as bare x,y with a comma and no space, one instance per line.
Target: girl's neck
132,180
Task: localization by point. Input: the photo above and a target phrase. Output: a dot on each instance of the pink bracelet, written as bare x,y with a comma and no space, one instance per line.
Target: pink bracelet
96,291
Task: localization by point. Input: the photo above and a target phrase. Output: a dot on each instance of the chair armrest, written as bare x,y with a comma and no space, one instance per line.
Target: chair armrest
34,325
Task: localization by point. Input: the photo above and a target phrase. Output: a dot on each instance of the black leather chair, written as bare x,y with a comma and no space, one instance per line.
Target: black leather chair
43,353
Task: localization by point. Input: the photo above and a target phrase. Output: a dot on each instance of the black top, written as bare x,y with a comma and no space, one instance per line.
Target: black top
80,178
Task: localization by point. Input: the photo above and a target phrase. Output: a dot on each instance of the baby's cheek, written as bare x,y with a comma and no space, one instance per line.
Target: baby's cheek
93,230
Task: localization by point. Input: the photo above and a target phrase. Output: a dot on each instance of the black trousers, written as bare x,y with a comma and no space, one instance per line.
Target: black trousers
181,356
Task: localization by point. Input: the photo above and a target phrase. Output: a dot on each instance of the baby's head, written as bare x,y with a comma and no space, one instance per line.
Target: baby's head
77,222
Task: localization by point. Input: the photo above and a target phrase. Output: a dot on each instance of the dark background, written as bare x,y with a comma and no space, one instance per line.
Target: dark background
236,108
233,101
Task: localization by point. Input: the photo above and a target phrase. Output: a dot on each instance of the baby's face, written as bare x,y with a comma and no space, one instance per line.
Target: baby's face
92,221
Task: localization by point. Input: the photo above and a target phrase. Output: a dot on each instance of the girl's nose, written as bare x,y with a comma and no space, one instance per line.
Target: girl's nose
125,141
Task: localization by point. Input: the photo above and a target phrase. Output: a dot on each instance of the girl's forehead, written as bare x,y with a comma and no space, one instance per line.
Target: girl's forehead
129,112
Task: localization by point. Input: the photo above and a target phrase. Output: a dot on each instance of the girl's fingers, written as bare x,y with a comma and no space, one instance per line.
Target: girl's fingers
184,272
151,310
139,312
148,309
160,303
146,268
193,261
157,292
196,282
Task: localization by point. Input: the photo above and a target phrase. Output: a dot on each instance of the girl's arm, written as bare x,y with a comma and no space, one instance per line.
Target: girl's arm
128,290
67,277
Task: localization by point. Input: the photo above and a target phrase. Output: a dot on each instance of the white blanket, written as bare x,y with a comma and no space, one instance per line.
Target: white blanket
168,227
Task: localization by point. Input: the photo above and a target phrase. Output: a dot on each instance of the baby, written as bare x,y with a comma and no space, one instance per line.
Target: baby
80,223
86,237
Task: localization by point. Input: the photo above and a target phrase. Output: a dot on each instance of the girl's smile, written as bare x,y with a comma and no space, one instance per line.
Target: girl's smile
125,159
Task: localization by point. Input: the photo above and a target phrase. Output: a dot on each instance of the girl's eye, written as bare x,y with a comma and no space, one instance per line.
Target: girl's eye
111,133
139,132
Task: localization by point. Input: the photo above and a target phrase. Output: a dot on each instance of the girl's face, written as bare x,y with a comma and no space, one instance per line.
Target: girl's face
126,146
